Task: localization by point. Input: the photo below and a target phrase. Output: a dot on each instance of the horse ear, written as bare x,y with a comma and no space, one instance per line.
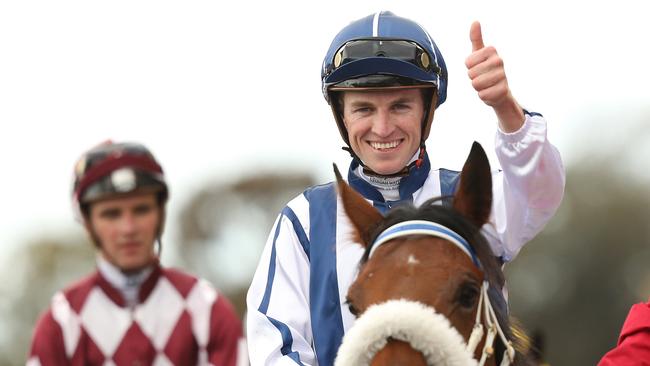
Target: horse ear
474,196
364,217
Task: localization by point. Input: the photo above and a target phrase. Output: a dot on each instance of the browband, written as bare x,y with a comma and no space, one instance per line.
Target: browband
422,227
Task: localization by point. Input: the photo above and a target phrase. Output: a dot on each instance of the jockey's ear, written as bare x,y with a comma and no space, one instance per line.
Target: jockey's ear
363,215
474,196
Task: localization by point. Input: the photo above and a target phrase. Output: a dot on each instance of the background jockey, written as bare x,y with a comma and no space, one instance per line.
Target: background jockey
384,77
132,310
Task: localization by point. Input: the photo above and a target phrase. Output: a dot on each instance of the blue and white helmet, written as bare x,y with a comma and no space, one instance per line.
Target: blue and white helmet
384,51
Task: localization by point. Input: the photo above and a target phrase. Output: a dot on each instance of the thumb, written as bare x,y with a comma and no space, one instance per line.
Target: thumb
476,36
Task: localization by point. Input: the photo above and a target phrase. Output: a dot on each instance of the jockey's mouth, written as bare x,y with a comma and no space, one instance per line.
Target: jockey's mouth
388,145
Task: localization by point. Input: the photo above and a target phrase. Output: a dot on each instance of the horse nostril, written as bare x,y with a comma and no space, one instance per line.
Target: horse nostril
351,308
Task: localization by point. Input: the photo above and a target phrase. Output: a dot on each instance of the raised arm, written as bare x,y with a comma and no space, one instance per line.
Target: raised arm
530,187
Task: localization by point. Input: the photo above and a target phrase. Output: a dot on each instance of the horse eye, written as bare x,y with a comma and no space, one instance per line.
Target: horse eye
468,295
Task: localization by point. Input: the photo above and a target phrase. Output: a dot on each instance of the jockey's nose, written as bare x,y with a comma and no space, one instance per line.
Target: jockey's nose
128,224
382,124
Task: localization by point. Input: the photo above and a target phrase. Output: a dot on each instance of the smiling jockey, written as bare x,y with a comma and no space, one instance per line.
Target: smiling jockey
384,77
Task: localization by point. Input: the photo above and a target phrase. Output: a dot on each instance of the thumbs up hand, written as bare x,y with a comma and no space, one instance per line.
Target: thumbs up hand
488,76
485,69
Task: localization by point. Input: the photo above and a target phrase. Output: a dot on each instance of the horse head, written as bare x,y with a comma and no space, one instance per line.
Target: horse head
429,267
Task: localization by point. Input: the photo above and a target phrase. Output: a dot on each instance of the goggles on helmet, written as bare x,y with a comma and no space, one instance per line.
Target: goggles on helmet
390,48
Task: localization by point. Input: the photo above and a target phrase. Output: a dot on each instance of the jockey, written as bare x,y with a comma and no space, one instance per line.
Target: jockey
132,310
384,77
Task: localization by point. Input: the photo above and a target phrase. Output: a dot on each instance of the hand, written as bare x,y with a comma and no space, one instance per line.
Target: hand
488,76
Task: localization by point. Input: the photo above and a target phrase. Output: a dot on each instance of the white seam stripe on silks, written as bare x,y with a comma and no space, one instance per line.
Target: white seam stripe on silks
375,24
412,322
422,227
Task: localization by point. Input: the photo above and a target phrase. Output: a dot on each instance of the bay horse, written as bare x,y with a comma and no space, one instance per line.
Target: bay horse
428,280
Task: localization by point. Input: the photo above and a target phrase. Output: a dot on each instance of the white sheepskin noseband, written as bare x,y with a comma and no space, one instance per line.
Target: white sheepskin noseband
409,321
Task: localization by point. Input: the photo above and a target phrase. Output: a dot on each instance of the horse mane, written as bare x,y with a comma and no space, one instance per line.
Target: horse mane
432,210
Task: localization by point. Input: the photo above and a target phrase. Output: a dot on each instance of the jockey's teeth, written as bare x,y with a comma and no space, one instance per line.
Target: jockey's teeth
384,145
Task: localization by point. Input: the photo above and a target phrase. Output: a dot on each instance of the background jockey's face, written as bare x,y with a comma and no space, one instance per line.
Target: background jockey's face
126,228
384,127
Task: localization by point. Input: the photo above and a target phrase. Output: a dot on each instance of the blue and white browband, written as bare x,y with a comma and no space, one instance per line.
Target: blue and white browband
422,227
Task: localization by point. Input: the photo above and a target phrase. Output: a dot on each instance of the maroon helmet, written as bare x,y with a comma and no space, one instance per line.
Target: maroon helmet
111,169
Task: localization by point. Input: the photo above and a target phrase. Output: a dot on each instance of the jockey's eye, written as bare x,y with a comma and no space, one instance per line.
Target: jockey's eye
467,295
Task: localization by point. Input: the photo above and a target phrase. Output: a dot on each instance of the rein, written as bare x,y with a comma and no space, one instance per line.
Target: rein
422,227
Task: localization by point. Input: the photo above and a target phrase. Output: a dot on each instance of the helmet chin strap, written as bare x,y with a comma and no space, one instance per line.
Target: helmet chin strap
417,163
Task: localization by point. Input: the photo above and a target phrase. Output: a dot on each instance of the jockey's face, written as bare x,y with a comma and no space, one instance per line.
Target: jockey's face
384,127
126,228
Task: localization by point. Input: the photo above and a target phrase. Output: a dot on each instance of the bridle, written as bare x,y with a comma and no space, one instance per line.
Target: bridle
485,309
494,330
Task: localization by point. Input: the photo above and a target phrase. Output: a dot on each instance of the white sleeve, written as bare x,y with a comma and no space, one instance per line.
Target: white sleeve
528,190
278,319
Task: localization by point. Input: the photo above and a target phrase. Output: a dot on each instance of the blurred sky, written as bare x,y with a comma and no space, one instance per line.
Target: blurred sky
223,89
